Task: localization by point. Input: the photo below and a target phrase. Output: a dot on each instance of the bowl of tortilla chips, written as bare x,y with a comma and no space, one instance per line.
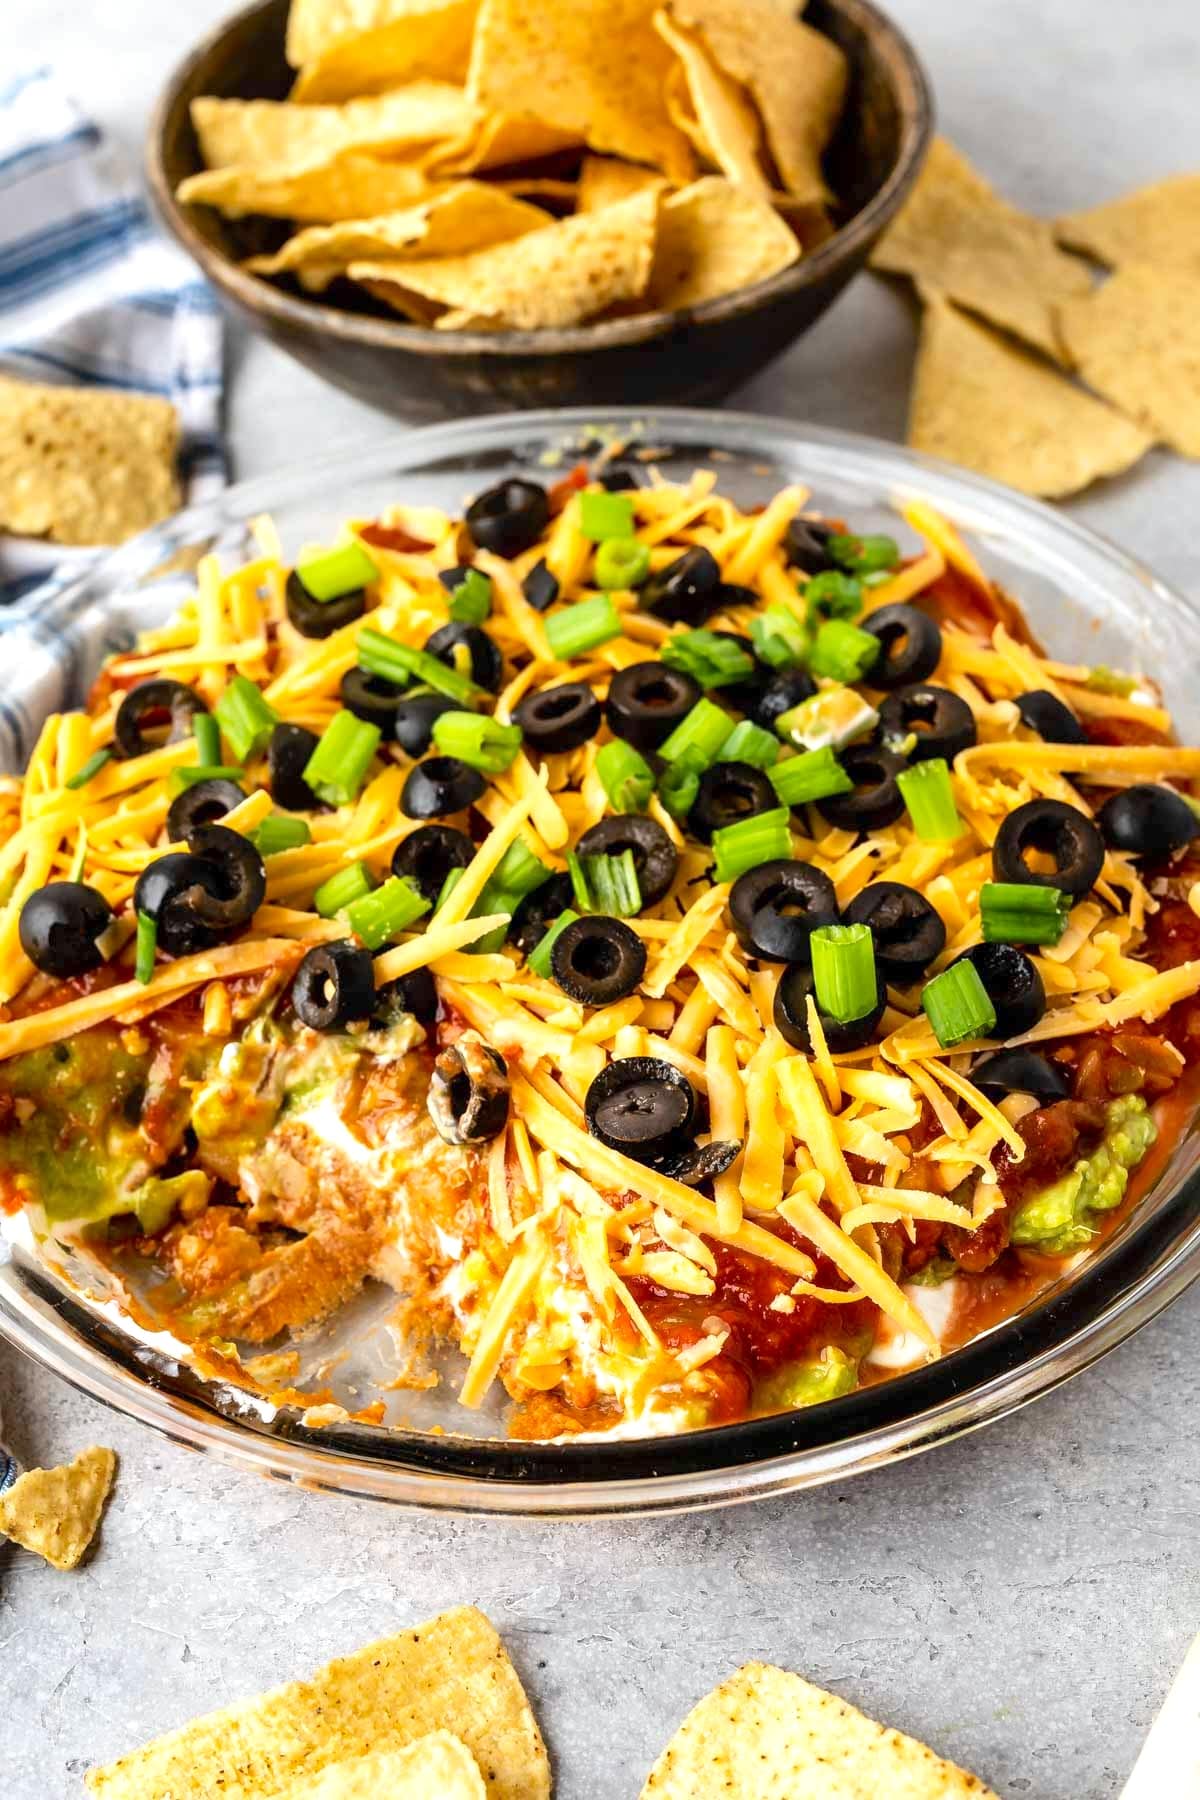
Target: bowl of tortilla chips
433,202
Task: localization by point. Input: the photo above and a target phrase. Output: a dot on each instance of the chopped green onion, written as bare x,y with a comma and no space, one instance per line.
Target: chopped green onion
341,890
539,957
337,767
1016,912
493,940
208,738
863,555
844,976
843,652
245,717
1102,680
475,739
448,886
679,784
603,515
929,798
519,872
814,775
707,657
584,626
698,736
471,601
579,881
779,637
193,773
832,595
766,837
625,775
398,663
147,944
278,832
621,562
92,766
956,1004
328,574
606,884
749,743
390,909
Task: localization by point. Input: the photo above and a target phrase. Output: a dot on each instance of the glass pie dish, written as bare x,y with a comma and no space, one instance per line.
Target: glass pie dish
1081,596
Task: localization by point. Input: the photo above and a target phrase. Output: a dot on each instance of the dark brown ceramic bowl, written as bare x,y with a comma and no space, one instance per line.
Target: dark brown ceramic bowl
653,358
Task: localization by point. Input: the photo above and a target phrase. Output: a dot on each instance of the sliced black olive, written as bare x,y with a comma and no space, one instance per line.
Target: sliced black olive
414,994
321,618
779,695
201,804
654,855
415,720
1149,819
240,884
1058,831
647,701
876,800
537,912
908,930
372,698
776,908
166,892
729,791
429,854
790,1013
597,960
486,666
454,578
540,587
615,478
1012,984
288,755
334,985
440,785
703,1162
940,723
643,1106
685,592
806,545
509,517
469,1091
1022,1071
911,645
149,706
1045,713
559,718
59,925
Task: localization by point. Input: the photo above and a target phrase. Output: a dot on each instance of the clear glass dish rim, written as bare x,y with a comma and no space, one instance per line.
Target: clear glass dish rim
1129,1283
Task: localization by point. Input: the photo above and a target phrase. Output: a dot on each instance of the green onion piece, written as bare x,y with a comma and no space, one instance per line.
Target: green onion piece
843,652
613,884
814,775
519,872
493,940
336,769
147,944
475,739
1102,680
603,515
539,957
766,837
621,562
390,909
448,886
92,766
471,600
399,663
625,775
699,736
1016,912
328,574
579,882
957,1005
279,832
707,657
349,884
749,743
584,626
679,784
245,717
832,595
779,638
189,776
208,738
929,798
844,977
863,555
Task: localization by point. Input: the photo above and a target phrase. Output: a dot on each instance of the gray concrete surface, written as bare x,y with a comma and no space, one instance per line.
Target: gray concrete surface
1020,1599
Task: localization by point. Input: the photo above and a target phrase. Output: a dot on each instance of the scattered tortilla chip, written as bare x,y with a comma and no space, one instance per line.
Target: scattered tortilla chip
595,68
1136,340
768,1735
437,1767
499,142
1158,224
796,77
389,1695
348,187
980,400
56,1512
714,237
682,114
959,236
269,134
85,465
606,181
356,47
723,111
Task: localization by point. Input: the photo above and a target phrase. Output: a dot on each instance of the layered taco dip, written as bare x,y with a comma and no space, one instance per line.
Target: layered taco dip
702,961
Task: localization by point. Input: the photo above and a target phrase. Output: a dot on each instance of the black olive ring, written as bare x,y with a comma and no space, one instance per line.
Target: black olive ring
686,591
778,696
59,926
372,698
776,907
597,960
429,854
1058,831
288,755
414,994
415,718
201,804
148,701
1022,1071
1012,984
910,645
509,517
1148,819
790,1013
559,718
334,985
440,785
875,800
469,1091
940,723
729,791
486,666
642,1106
907,929
1044,713
321,618
654,855
537,912
647,701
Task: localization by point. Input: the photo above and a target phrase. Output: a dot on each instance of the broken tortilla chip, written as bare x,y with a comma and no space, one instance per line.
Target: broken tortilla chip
982,401
714,237
437,1767
605,181
1136,340
500,141
766,1734
382,1698
1158,224
723,111
271,134
85,465
347,187
56,1512
357,47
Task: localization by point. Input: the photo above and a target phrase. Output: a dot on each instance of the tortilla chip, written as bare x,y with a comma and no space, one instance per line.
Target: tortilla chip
452,1669
562,275
606,181
723,111
980,400
713,238
594,68
270,134
959,236
1158,224
56,1512
437,1767
348,187
1136,340
85,465
498,142
796,77
768,1735
355,47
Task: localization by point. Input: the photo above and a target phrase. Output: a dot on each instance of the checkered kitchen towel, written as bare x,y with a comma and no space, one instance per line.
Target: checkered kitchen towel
91,293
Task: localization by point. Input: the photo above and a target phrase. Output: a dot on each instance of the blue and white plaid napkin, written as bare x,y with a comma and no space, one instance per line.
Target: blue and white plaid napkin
90,293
